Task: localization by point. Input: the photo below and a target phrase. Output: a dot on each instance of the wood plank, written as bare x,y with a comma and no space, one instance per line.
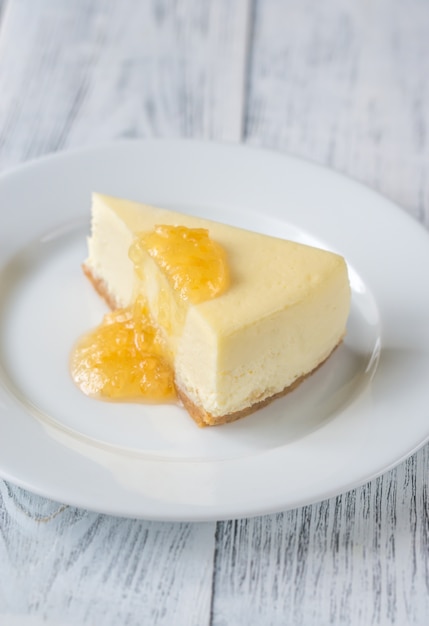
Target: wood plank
72,566
74,73
345,84
357,559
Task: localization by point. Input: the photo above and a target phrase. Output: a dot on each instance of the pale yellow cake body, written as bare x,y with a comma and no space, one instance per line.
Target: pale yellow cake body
283,314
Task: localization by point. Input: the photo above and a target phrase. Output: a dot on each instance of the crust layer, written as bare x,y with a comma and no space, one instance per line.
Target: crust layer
100,287
198,414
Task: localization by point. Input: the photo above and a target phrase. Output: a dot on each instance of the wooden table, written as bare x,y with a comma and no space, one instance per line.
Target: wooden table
341,83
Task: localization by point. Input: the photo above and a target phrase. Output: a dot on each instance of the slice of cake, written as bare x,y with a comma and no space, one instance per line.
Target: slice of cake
281,313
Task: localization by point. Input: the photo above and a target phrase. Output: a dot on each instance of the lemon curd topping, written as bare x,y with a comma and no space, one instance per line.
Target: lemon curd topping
123,358
194,264
126,357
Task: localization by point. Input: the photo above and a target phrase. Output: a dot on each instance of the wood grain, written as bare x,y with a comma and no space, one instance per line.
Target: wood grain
346,85
103,70
343,84
64,563
360,558
71,74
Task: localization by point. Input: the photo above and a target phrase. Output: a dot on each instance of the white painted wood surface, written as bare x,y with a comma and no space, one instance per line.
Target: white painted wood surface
346,84
341,83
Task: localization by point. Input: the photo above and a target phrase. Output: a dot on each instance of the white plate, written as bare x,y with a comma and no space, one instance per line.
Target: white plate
362,413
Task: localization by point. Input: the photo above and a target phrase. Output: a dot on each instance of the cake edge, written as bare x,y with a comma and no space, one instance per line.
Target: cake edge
201,417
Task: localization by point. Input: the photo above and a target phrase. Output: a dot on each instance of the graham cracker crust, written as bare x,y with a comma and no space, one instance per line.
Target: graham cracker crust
100,287
201,417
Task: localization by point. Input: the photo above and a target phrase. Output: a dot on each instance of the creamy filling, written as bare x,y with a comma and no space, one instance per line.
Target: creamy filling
228,374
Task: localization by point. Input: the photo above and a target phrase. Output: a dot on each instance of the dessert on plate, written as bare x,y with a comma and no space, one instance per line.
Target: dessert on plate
231,318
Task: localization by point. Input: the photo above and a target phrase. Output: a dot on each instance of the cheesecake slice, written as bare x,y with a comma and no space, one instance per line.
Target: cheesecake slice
283,313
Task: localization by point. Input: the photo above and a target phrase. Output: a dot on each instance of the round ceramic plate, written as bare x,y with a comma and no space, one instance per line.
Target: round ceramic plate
363,412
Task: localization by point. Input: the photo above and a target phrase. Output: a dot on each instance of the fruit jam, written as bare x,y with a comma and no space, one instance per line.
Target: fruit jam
126,357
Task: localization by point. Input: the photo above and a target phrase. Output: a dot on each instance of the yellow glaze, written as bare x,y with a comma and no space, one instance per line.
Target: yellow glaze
127,357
